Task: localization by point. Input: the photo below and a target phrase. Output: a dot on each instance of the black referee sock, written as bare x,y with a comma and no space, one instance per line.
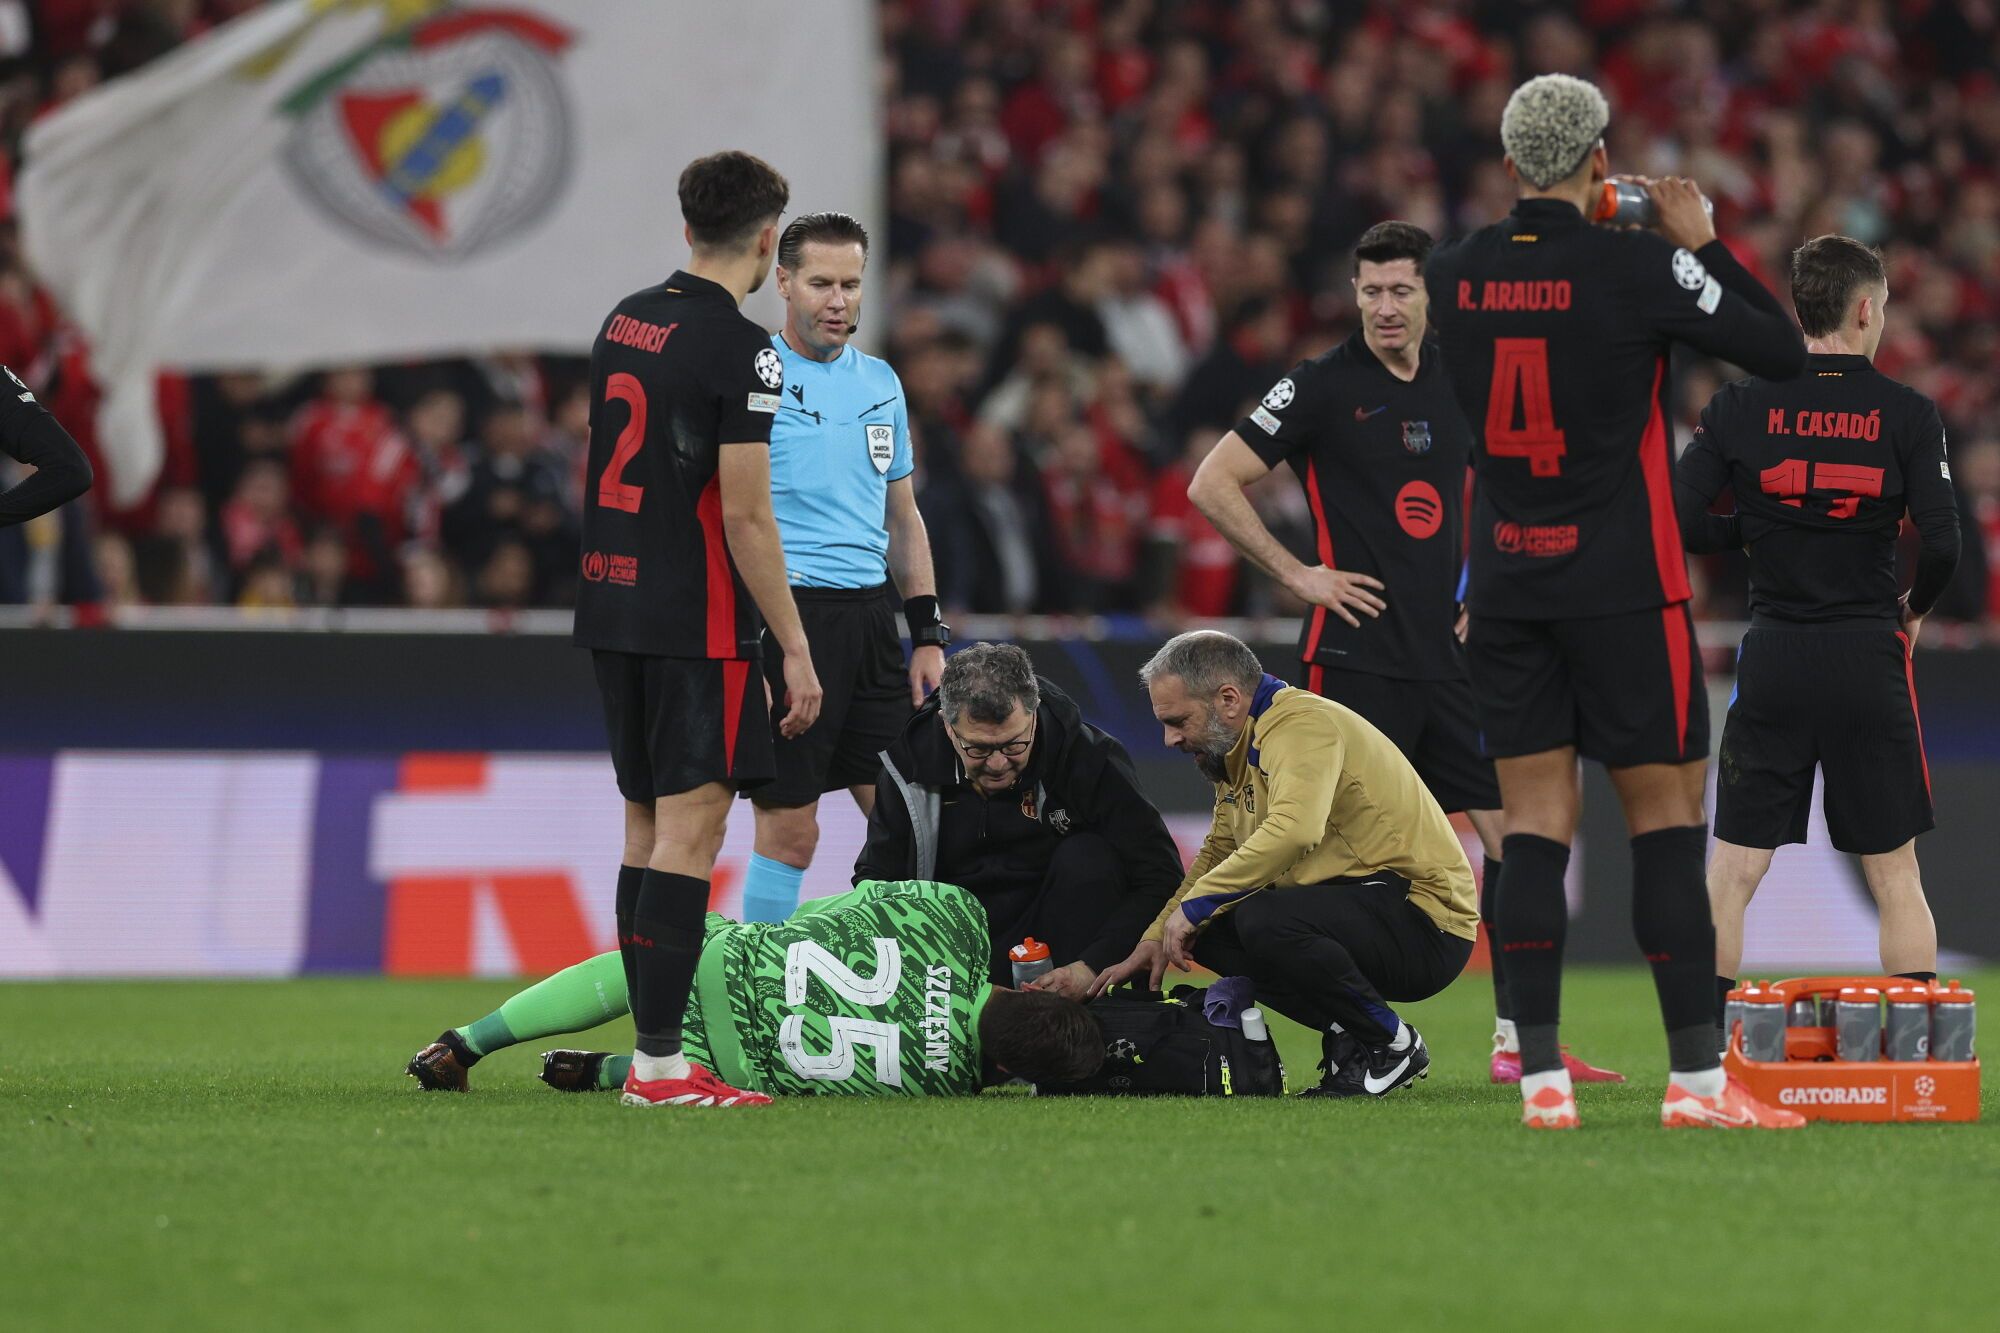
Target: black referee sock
1723,985
666,939
1489,912
1928,978
629,879
1534,923
1670,919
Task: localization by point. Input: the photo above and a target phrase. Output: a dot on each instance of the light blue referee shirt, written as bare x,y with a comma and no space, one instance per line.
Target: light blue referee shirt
841,436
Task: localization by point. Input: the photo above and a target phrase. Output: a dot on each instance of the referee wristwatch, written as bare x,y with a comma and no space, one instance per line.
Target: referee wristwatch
926,621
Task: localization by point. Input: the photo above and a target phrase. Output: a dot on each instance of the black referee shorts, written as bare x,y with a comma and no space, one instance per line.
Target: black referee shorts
1842,700
1624,690
677,723
859,657
1431,721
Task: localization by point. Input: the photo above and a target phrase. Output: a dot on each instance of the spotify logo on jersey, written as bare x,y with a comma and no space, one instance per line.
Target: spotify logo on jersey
1419,509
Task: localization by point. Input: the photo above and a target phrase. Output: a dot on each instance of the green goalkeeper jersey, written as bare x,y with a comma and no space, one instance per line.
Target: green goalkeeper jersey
874,992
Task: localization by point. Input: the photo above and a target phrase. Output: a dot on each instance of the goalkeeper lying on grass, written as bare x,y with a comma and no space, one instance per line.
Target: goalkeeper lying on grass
879,991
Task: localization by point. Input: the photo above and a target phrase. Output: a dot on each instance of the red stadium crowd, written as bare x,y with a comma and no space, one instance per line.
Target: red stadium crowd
1111,225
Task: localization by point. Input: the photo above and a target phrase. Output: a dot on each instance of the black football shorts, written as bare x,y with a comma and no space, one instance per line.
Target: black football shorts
1431,721
858,656
1624,690
677,723
1843,701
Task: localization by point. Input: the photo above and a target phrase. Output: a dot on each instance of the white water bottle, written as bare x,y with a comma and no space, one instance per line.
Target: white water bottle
1253,1025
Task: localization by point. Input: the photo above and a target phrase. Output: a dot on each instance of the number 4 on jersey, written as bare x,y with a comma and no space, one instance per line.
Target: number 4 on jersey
1521,372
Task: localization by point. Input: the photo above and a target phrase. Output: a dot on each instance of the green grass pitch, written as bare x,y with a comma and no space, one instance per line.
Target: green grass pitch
217,1155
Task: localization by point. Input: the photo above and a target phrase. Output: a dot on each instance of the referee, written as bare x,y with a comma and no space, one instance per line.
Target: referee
842,488
1823,468
1374,433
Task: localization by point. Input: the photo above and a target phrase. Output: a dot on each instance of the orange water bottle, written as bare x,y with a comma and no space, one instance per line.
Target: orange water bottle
1031,959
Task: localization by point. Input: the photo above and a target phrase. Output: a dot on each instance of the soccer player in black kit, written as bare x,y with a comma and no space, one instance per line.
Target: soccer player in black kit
1556,334
1823,468
680,553
28,434
1376,437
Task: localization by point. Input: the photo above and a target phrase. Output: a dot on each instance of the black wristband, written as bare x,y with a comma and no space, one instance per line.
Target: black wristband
926,620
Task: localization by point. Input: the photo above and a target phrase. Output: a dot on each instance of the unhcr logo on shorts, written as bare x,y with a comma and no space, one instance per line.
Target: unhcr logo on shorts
441,137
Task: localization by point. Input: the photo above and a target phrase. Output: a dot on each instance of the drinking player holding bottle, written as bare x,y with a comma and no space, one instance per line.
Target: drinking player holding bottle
1556,334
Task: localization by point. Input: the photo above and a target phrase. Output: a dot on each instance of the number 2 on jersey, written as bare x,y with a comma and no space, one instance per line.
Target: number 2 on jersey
805,960
1521,371
613,492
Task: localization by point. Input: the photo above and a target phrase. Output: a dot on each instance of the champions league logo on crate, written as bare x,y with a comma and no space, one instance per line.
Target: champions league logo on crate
440,138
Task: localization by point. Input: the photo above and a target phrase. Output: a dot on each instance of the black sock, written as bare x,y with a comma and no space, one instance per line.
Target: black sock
629,879
1489,912
1671,921
666,938
1928,978
1723,985
1534,922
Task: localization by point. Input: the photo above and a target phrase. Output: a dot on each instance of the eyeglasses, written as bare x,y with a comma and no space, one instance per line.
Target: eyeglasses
1013,749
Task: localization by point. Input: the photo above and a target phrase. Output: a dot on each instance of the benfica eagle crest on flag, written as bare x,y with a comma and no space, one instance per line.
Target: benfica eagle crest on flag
440,138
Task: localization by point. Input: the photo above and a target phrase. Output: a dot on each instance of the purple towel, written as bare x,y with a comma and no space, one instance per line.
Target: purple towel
1225,1000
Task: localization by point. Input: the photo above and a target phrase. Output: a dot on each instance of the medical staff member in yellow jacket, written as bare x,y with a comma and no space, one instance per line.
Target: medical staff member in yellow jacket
1330,876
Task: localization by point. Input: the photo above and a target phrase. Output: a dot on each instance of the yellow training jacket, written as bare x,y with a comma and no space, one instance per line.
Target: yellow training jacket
1316,793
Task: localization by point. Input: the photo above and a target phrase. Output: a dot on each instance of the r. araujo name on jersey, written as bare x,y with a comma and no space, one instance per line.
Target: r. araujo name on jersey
1556,333
1383,465
875,992
842,434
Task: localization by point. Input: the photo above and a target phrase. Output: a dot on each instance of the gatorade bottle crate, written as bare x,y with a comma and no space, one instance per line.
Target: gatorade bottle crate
1813,1082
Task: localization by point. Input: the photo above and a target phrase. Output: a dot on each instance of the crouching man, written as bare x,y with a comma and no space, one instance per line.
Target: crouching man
1330,876
998,784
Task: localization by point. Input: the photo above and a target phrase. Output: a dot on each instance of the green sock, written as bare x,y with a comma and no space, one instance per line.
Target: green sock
611,1074
572,1000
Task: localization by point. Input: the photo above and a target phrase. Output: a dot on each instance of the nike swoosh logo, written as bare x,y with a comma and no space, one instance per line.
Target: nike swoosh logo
1694,1107
1360,415
1376,1087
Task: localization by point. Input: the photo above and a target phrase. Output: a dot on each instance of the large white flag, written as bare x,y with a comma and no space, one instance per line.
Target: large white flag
324,181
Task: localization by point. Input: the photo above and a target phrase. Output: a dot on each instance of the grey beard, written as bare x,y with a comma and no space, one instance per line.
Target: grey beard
1214,767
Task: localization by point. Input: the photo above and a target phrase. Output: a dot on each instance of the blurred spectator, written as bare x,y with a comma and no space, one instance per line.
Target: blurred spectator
257,521
352,467
1192,567
513,499
181,518
986,529
267,583
429,582
323,569
1095,522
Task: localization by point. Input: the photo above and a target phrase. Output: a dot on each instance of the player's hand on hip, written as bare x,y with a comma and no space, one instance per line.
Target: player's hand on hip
1684,219
1145,960
1072,982
802,696
926,670
1341,591
1912,625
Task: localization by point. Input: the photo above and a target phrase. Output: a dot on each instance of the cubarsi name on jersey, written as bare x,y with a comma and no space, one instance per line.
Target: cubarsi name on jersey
1877,1096
936,1021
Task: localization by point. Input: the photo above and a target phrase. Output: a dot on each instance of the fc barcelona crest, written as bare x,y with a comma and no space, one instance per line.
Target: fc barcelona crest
1417,436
